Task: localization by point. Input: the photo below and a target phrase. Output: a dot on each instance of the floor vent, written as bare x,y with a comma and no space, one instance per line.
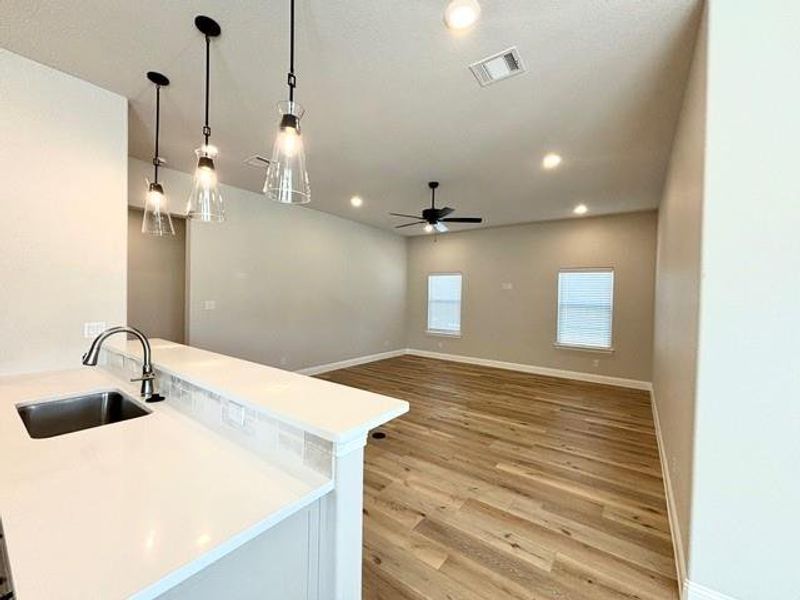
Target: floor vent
497,67
257,161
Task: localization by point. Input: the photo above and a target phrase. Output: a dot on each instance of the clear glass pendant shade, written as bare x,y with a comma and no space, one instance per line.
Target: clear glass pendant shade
157,220
287,178
205,204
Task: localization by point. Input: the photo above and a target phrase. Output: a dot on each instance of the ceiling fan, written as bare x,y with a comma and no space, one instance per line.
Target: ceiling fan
435,218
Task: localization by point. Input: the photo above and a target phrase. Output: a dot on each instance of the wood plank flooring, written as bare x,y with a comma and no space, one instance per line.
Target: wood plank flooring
500,485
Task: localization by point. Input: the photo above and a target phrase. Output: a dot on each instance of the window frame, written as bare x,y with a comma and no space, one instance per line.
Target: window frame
444,332
585,347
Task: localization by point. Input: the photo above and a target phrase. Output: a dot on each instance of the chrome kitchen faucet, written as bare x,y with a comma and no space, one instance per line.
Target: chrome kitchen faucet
148,377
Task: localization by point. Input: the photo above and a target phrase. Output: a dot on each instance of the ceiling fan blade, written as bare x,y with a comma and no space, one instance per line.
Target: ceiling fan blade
408,224
464,220
441,227
443,212
406,216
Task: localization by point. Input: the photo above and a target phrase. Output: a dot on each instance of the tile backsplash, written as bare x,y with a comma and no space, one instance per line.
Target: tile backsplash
242,424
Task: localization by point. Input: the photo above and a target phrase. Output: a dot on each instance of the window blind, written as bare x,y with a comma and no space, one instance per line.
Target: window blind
585,308
444,303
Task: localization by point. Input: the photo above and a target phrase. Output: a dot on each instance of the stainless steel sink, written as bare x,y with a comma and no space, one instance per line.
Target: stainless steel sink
57,417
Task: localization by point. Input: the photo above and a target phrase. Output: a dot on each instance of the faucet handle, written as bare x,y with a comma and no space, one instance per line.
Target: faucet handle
145,377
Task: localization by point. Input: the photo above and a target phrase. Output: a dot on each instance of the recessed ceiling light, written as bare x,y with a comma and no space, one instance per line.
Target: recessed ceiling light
551,160
356,201
581,209
428,228
461,14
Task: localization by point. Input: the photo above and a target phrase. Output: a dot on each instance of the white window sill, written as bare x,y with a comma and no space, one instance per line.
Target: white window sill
578,348
450,334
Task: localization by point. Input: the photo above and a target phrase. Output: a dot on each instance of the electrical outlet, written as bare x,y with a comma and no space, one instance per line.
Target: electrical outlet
440,344
93,328
506,286
209,305
596,362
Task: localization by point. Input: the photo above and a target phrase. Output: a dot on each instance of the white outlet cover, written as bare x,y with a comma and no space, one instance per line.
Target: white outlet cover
209,304
507,286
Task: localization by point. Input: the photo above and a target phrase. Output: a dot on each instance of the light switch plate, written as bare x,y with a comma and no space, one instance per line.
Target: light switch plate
92,329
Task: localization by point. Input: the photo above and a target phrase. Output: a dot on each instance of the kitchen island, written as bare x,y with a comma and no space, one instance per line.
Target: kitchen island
246,482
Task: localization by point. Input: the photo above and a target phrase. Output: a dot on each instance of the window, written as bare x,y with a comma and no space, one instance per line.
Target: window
444,303
585,308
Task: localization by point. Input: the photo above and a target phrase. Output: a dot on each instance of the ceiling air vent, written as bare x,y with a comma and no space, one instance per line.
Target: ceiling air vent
257,161
499,66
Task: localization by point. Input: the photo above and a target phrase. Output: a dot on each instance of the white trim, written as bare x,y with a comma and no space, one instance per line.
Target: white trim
443,333
451,333
672,510
348,447
695,591
313,576
536,370
579,348
689,590
486,362
350,362
611,270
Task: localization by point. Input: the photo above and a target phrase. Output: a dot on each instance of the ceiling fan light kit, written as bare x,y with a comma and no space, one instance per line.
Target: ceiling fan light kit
433,218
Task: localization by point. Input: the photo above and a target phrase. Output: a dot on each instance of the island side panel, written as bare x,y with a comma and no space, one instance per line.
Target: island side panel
279,563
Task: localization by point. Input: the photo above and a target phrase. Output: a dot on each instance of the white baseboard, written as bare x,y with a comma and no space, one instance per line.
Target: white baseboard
486,362
695,591
351,362
672,510
550,372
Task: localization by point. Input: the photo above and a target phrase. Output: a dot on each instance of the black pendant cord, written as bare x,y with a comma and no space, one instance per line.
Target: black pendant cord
159,80
158,126
433,197
206,128
292,80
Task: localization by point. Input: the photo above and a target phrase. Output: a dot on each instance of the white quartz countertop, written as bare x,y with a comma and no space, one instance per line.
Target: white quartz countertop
331,411
130,509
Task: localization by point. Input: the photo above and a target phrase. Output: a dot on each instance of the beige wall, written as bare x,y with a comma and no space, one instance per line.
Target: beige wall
292,287
63,213
156,280
678,296
518,325
745,523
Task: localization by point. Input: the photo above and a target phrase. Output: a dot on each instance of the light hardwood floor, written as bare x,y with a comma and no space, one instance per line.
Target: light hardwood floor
500,485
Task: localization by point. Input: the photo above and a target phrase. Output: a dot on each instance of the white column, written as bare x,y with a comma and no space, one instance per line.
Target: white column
341,522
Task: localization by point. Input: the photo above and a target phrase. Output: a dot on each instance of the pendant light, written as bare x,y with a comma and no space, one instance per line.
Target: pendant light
157,220
287,178
205,204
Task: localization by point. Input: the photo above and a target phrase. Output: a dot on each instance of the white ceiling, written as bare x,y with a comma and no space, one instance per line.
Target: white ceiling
390,101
